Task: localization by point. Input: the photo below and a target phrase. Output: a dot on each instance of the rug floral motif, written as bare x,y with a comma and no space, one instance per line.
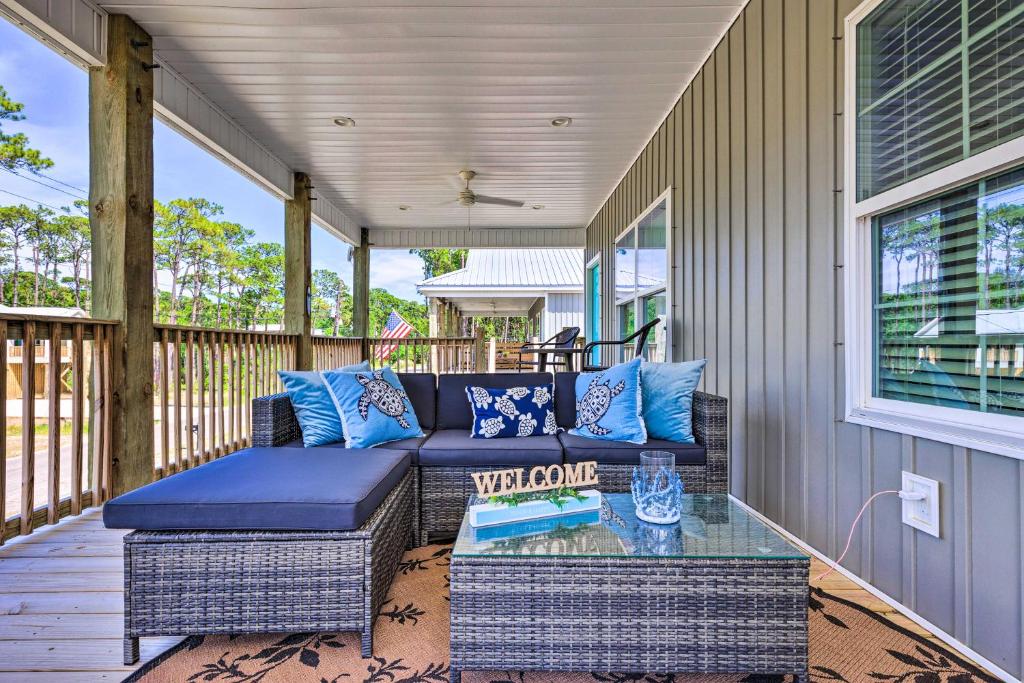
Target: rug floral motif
847,643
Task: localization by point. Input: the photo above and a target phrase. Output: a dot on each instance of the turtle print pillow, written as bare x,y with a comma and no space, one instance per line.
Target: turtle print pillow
608,404
518,411
373,407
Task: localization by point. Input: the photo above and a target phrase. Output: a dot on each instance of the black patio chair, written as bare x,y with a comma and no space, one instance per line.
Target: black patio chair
558,346
639,338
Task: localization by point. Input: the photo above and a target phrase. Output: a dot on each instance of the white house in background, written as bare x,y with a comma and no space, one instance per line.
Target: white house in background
544,285
41,349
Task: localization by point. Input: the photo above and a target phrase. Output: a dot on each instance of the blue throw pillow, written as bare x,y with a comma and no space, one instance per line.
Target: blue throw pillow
373,406
608,404
314,409
668,398
518,411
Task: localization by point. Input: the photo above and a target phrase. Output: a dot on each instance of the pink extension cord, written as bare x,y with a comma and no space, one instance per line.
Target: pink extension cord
849,539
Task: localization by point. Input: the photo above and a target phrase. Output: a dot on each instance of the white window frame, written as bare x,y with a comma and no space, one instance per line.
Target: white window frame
1002,434
640,294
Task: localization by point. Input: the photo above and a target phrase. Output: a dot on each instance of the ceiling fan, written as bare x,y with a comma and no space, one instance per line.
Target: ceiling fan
468,198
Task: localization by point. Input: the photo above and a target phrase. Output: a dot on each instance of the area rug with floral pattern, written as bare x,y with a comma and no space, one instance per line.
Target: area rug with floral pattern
847,643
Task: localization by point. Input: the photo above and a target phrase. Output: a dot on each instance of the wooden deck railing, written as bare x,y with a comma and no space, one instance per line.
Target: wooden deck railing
204,382
74,470
334,352
427,354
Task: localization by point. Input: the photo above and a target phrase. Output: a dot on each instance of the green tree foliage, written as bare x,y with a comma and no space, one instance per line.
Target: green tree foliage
15,153
440,261
383,302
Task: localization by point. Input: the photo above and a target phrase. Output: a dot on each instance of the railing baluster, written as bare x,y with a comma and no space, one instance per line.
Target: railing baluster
53,425
178,426
190,456
3,420
233,357
77,417
201,436
108,416
165,444
28,422
96,424
220,393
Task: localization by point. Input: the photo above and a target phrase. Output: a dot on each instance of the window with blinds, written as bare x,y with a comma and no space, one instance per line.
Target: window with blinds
937,81
949,299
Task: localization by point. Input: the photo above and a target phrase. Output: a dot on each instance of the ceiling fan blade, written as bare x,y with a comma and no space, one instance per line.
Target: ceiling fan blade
483,199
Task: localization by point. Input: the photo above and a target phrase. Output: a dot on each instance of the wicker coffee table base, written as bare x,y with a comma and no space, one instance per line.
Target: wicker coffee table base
234,582
662,615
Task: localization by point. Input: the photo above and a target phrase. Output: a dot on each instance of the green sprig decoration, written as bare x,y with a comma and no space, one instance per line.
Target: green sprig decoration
557,497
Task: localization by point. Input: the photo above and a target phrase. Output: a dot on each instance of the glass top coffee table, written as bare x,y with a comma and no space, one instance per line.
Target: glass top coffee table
716,592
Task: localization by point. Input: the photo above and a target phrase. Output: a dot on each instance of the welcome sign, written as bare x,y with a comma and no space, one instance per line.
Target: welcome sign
540,478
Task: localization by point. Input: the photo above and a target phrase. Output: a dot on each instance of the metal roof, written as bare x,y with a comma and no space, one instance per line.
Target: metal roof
543,269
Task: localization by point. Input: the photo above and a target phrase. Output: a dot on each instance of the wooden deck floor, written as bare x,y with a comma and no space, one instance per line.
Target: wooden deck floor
61,605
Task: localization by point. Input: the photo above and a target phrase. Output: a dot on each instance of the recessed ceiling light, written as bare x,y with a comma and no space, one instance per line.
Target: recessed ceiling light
404,207
345,121
561,122
538,207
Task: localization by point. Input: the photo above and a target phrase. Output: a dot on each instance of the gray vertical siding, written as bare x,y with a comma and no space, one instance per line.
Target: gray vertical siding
753,150
563,309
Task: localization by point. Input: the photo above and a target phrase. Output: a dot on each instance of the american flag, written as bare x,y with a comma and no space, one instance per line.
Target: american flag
394,328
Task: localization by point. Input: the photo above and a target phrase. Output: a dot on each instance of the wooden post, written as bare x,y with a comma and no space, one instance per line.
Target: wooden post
298,219
361,286
121,219
492,356
478,349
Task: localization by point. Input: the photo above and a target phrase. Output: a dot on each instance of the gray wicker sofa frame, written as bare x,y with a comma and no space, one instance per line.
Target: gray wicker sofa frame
443,492
229,582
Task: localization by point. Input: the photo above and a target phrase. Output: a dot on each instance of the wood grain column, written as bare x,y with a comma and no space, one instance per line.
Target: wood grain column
361,286
121,219
298,218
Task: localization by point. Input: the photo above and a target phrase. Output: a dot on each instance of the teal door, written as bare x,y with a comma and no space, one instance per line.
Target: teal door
594,304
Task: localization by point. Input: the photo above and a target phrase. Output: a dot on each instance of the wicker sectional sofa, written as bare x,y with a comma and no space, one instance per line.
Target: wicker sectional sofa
446,455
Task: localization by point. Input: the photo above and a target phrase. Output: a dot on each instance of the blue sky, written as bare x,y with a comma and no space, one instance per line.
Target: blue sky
55,95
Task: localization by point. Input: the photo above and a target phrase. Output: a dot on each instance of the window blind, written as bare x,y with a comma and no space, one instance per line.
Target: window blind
937,81
949,299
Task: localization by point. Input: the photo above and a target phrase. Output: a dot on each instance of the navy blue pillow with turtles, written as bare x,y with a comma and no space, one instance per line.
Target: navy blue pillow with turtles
513,412
373,407
608,404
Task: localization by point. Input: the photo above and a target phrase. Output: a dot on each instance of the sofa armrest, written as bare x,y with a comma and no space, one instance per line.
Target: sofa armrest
711,430
273,421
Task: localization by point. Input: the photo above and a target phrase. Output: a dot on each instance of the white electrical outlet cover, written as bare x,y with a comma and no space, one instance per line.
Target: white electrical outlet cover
922,514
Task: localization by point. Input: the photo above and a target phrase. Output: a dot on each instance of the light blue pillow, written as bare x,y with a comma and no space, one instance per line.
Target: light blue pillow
608,404
668,398
314,409
373,406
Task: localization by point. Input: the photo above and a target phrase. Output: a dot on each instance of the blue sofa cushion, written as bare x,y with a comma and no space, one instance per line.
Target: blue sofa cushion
421,387
411,445
581,449
454,411
668,398
608,404
374,407
318,489
314,409
456,448
512,413
565,399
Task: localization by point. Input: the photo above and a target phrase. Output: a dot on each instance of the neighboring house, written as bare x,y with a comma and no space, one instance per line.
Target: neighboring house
16,349
1003,357
543,285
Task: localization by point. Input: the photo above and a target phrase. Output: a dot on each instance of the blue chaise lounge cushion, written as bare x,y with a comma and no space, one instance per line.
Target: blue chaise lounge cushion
319,489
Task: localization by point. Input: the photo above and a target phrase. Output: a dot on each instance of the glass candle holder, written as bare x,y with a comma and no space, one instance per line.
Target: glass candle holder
657,488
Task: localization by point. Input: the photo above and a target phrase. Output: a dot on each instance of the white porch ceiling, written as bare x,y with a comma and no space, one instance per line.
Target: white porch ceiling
439,85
